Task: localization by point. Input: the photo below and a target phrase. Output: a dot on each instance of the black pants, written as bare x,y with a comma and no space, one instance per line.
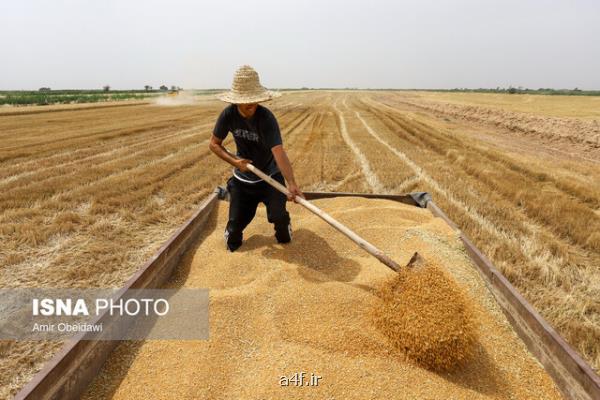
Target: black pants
244,198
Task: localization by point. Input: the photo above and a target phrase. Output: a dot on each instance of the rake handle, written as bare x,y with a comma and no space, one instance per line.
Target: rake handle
371,249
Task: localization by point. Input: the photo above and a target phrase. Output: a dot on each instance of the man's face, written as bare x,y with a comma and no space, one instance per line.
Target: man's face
247,110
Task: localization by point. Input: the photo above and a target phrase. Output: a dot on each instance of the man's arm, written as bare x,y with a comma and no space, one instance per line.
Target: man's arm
285,167
216,146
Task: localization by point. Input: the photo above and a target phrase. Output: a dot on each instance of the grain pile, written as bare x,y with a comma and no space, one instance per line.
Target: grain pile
427,316
279,310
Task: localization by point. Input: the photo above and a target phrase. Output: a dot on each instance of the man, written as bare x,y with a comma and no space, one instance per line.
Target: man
258,141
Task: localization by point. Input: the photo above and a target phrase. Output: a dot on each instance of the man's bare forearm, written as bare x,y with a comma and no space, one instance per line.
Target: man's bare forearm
283,162
223,153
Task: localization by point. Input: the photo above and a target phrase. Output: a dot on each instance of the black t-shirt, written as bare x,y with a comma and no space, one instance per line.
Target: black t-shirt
254,138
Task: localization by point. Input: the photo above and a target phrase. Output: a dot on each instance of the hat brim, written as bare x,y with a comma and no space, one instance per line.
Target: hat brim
236,98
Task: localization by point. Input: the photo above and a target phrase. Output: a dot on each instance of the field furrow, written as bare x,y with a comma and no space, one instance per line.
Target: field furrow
74,139
319,152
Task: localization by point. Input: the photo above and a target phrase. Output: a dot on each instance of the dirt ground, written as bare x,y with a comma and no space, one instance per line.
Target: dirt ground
306,307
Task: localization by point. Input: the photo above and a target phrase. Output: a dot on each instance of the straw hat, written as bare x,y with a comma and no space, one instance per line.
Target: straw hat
246,88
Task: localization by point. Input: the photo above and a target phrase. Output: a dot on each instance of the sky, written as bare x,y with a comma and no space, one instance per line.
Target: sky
198,44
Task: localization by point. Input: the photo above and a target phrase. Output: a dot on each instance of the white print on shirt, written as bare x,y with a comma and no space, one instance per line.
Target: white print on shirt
244,134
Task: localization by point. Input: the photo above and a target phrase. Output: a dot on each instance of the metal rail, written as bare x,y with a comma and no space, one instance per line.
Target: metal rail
68,373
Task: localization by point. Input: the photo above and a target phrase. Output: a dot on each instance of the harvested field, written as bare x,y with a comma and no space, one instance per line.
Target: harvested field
572,125
276,310
542,105
87,194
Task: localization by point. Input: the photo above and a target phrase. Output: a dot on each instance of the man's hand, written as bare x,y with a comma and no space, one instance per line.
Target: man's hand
241,164
216,146
294,191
